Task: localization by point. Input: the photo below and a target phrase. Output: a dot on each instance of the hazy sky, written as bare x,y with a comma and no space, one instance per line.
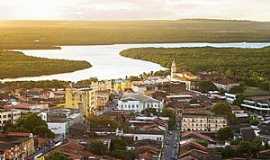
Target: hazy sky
135,9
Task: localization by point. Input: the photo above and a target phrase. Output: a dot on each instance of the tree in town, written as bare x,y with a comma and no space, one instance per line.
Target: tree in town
228,152
97,147
32,123
225,134
57,156
224,109
150,112
206,86
172,117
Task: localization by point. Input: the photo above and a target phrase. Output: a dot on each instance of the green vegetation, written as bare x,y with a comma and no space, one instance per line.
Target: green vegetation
98,148
150,112
105,122
253,120
34,84
118,149
172,117
47,34
16,64
33,124
225,134
244,149
224,109
57,156
206,86
249,65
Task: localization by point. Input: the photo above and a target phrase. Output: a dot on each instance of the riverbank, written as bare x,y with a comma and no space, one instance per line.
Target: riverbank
15,64
249,65
39,34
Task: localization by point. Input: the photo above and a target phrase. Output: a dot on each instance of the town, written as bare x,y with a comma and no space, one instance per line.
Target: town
171,116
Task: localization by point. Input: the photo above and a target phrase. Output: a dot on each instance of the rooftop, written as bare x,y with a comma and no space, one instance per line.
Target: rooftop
10,139
137,97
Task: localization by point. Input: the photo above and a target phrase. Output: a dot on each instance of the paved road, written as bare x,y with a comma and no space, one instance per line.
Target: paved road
170,146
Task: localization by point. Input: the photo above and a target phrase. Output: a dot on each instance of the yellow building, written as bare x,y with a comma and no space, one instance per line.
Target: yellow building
121,85
83,99
72,98
102,98
88,102
102,85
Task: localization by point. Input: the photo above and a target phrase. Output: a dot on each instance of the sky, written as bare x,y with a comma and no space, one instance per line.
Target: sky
258,10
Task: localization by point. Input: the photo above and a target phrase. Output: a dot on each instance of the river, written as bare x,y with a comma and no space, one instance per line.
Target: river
108,64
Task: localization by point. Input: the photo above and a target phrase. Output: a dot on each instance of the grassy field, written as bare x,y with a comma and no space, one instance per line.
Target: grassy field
15,64
251,65
46,34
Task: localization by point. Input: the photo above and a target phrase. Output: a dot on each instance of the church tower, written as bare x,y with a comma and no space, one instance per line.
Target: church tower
173,70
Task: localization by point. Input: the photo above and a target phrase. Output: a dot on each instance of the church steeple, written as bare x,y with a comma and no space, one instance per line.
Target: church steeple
173,69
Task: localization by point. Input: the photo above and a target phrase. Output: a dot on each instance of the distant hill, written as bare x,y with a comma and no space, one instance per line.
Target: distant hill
43,34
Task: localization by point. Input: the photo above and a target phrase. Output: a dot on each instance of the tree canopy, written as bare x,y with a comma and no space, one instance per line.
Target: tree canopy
32,123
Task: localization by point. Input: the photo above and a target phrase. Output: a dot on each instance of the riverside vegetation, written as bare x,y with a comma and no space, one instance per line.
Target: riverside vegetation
51,34
248,65
15,64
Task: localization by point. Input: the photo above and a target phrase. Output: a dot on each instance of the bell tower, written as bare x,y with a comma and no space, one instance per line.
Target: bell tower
173,69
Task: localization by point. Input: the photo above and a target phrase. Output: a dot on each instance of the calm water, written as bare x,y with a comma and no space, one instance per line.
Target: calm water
108,64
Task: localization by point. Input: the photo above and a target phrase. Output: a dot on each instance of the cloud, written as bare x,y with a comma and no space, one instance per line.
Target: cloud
135,9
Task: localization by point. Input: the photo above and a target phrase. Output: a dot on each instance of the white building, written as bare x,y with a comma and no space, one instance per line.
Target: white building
230,98
226,86
138,136
9,116
259,105
137,102
59,120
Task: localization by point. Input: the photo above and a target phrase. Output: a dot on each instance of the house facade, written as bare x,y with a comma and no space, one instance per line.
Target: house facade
202,122
134,102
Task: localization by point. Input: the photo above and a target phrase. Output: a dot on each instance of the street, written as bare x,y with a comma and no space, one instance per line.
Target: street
170,146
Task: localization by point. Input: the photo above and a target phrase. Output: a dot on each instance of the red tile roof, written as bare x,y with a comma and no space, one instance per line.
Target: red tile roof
198,135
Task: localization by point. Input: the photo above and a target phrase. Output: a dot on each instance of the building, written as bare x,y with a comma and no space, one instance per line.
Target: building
27,107
7,116
204,122
259,105
184,77
225,84
83,99
88,102
135,102
102,85
103,98
180,98
121,85
60,120
230,98
72,98
15,145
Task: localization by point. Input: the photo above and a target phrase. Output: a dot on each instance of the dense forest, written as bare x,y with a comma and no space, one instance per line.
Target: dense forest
250,65
48,34
16,64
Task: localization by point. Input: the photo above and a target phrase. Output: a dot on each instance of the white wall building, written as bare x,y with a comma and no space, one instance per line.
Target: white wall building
9,116
137,136
137,102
